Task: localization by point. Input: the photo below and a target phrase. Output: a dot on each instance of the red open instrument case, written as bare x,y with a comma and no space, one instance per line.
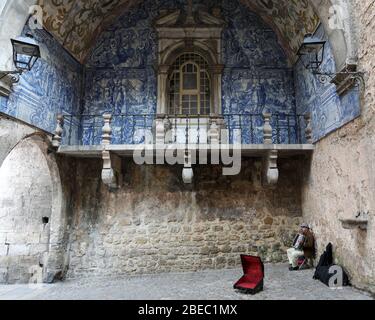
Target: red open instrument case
253,280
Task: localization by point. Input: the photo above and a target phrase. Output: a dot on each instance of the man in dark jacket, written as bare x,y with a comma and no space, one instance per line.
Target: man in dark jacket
303,246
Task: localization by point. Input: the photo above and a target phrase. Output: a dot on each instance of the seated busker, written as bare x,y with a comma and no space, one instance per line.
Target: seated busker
303,246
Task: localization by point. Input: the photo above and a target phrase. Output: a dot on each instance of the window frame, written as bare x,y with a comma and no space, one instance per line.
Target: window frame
202,110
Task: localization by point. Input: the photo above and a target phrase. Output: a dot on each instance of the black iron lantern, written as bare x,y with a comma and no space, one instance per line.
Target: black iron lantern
312,52
26,52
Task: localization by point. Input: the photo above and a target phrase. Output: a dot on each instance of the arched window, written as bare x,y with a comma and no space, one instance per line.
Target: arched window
190,86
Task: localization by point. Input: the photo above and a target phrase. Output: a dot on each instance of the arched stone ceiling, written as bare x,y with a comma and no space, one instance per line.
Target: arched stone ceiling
77,23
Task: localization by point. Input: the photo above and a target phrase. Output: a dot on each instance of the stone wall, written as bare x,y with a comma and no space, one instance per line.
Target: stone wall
12,132
341,179
25,199
155,223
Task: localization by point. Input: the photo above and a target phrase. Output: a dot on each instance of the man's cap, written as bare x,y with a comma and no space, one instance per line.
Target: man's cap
305,225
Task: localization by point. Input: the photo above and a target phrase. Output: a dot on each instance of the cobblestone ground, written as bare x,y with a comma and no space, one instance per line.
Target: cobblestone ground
280,284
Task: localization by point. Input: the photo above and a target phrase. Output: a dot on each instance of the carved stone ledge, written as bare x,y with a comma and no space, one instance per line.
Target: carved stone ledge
361,222
270,169
112,172
350,224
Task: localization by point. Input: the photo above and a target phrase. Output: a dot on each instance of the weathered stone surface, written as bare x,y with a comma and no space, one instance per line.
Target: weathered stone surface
155,223
11,132
341,175
26,197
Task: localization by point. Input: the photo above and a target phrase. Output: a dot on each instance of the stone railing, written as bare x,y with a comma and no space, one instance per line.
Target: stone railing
244,129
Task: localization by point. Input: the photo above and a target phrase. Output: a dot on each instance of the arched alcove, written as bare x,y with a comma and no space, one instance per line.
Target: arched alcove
30,220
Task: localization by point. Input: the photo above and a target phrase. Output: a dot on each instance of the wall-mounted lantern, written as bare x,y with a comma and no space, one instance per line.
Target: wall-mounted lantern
26,53
312,53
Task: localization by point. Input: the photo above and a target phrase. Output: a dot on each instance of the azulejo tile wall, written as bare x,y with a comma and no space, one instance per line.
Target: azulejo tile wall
329,111
120,76
53,86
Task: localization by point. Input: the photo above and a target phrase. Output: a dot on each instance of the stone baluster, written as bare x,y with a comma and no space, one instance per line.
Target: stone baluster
160,128
57,138
271,170
107,130
214,132
308,130
111,172
167,130
267,129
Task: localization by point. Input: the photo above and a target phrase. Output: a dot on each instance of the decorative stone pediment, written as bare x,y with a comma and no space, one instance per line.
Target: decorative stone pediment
180,19
185,28
211,20
168,19
184,31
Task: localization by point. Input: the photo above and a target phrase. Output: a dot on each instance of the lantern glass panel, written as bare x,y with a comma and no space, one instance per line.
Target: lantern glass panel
25,54
312,53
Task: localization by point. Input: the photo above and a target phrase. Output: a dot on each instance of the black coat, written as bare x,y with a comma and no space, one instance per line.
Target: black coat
322,271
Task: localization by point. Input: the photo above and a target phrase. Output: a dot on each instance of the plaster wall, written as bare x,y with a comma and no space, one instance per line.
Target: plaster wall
341,180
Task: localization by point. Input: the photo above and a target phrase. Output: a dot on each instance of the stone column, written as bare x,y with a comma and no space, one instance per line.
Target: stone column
162,89
217,72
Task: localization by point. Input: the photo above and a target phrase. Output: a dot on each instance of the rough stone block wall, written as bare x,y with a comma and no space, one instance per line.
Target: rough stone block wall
155,223
341,180
25,198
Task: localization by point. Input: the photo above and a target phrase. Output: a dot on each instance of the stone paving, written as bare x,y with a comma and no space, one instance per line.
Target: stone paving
280,284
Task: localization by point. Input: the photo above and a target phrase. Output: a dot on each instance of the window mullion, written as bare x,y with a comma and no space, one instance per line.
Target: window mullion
199,90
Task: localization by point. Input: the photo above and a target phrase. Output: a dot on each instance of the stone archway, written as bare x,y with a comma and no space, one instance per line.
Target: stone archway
30,213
